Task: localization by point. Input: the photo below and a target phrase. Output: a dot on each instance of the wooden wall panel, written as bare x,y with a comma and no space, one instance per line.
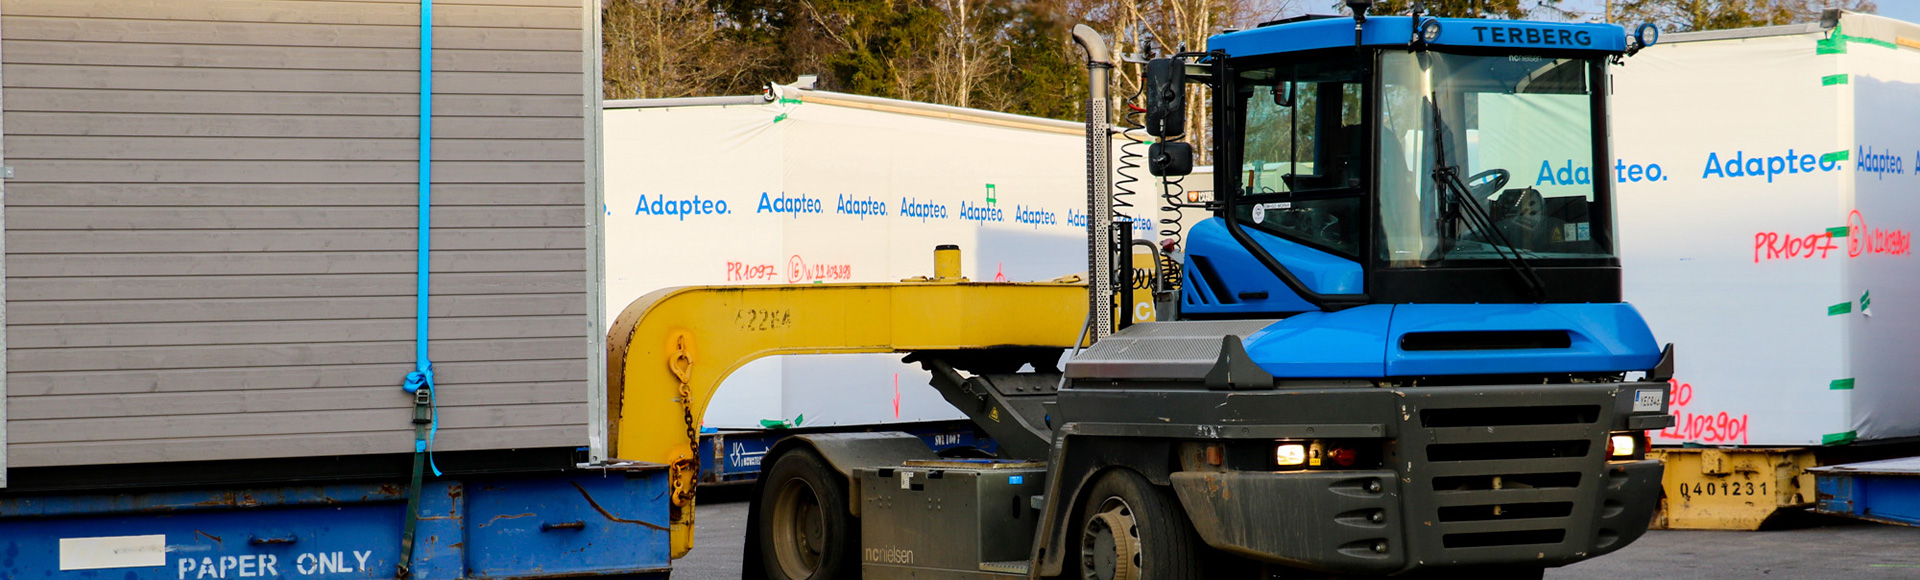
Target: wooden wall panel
211,225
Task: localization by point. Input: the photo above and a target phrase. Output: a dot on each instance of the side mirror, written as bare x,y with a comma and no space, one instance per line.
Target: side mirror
1166,88
1170,159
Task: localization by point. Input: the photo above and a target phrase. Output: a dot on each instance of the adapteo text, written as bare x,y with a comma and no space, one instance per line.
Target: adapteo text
981,213
795,205
681,208
1881,164
860,207
914,208
1035,217
1740,165
1565,174
1624,172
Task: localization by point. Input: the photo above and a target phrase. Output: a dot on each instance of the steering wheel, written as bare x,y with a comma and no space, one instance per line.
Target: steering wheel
1494,180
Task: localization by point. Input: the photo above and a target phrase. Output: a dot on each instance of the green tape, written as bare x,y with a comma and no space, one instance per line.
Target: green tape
1840,155
1830,80
1839,232
789,101
1837,42
1841,385
1839,438
1867,40
781,423
1839,309
782,117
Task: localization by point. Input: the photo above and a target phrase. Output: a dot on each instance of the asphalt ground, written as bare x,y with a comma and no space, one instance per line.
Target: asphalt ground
1802,548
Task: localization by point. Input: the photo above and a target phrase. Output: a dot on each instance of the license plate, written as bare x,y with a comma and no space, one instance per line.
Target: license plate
1648,400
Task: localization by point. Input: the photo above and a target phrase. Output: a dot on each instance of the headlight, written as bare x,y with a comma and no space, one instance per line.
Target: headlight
1430,31
1626,445
1290,454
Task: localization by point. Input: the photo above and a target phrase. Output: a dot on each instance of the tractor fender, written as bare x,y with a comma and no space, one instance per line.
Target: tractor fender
849,451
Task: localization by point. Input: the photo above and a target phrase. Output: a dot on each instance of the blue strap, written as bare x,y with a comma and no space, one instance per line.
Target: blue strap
419,383
422,375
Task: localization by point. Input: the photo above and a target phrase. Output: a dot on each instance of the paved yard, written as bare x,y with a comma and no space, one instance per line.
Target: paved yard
1812,549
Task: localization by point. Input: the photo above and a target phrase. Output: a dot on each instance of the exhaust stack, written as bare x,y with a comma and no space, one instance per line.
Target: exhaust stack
1099,182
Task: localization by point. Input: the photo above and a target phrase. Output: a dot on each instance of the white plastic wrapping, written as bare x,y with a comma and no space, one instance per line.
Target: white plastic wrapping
1755,237
825,188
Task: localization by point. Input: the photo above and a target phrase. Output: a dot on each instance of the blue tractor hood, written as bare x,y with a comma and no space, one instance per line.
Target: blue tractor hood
1415,340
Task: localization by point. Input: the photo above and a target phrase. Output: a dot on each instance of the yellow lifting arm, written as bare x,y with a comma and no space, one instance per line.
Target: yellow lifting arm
669,350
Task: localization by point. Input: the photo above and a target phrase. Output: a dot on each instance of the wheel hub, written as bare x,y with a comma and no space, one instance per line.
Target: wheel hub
1110,547
799,529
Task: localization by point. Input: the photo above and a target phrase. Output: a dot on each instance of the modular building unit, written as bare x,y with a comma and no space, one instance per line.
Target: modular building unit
212,219
808,186
1768,182
211,229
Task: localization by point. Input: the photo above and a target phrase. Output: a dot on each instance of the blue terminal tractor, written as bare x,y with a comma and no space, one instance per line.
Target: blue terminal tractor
1396,346
1412,228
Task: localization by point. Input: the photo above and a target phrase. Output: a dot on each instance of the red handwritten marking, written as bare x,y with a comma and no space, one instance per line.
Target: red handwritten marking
1682,392
1708,427
1860,240
799,271
744,272
1778,246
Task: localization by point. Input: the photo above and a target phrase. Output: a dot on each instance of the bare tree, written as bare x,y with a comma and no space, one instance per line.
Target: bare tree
674,48
1132,27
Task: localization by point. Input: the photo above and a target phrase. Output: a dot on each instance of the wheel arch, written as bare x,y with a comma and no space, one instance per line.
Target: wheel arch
1079,461
846,452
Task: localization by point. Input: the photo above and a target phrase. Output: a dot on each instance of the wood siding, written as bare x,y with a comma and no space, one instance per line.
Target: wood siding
210,231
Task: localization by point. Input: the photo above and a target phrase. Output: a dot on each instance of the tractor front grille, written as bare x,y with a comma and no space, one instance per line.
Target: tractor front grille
1512,471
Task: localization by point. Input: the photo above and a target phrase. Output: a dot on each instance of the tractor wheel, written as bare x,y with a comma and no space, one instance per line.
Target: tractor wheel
806,532
1131,530
1492,573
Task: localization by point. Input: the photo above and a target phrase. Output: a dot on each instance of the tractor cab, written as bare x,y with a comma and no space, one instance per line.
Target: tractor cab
1402,160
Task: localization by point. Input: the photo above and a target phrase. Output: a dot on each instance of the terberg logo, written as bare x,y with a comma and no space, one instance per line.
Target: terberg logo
1530,35
1740,165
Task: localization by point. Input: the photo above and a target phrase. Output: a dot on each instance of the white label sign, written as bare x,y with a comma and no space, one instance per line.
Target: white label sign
113,552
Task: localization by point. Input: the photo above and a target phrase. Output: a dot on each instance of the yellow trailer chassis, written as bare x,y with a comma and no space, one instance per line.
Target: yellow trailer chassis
669,350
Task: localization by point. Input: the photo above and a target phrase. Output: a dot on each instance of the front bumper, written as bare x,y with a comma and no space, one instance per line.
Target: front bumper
1460,487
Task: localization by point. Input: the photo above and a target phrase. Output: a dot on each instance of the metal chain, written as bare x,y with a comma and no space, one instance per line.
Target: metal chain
685,472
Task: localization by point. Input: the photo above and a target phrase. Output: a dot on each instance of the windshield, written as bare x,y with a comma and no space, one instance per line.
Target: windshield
1516,131
1304,151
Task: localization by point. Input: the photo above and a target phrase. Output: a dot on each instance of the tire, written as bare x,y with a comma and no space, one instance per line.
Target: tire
1486,573
1131,530
1521,573
805,530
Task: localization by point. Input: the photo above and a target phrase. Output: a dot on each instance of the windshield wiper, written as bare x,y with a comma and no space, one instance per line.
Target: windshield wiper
1447,177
